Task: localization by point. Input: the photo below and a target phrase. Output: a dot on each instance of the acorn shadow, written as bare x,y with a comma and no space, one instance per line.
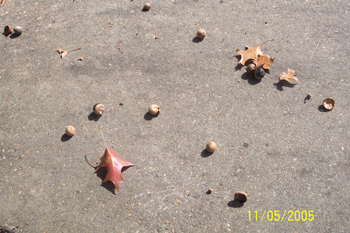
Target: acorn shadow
196,39
65,137
148,116
250,78
235,204
93,117
205,153
14,36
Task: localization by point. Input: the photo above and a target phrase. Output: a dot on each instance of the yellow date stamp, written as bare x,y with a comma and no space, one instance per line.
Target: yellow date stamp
280,216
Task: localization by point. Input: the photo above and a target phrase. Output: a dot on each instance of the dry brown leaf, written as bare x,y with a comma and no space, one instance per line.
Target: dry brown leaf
60,51
64,53
250,53
289,77
114,165
264,62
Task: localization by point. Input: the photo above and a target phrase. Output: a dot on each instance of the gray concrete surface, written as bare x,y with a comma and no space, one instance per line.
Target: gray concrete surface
286,155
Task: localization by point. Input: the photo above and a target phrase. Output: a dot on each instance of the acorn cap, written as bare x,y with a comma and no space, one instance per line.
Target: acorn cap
328,103
99,109
8,30
241,196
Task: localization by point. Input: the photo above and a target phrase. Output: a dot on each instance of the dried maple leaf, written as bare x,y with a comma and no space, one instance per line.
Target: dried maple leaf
65,52
250,53
289,77
264,62
60,51
114,166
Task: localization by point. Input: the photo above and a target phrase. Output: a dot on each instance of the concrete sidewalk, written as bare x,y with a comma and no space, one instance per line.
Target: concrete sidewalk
285,154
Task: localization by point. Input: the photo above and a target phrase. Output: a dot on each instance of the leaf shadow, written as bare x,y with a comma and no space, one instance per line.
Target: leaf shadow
282,83
235,204
65,137
101,173
93,117
205,153
197,39
148,116
250,78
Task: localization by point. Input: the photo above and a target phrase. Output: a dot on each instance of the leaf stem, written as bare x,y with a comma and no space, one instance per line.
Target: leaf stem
73,50
266,42
103,138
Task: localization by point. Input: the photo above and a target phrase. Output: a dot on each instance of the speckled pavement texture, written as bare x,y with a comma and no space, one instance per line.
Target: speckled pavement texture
287,155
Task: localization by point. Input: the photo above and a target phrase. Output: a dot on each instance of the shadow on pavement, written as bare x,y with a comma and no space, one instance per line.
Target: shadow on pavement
65,138
148,116
205,153
279,85
101,173
235,204
93,117
250,78
196,39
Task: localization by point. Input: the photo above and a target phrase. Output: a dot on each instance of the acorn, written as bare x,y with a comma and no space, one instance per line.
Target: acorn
251,68
241,196
17,30
99,109
8,30
154,109
211,146
70,130
328,103
201,33
147,6
259,73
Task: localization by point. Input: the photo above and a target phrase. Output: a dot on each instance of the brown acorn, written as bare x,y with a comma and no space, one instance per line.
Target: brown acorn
251,68
17,30
201,33
147,6
154,109
211,146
